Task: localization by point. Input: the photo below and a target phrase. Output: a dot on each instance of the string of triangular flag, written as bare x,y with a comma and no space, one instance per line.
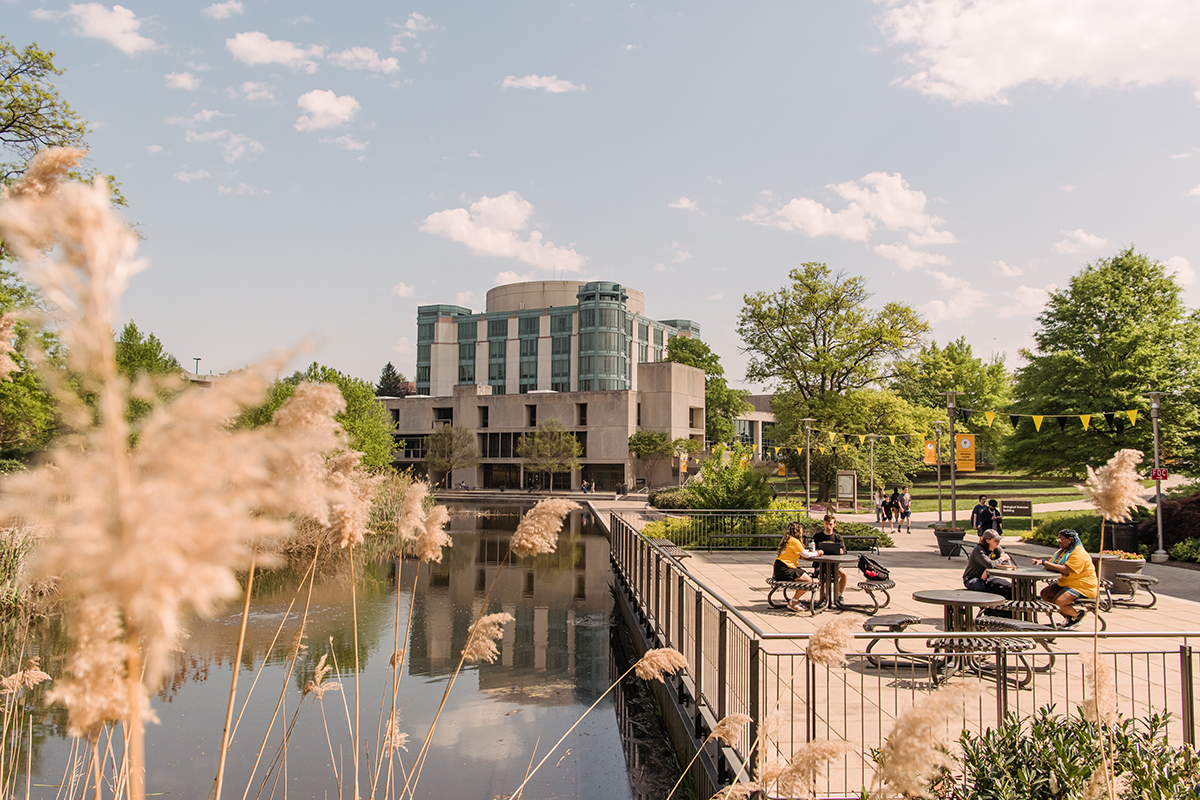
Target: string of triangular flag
1110,417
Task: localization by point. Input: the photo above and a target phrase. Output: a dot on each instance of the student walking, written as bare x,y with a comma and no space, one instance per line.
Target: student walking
905,511
879,501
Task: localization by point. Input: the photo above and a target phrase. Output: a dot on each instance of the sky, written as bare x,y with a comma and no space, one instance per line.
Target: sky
311,171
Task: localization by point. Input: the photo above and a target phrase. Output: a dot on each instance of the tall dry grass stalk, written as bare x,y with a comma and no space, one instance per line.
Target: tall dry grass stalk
918,748
727,730
798,776
830,642
141,534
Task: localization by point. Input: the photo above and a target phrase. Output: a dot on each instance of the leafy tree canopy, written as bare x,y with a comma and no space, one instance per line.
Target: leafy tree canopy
726,481
391,383
722,405
32,115
549,448
28,411
653,447
817,335
453,447
139,354
1118,330
365,420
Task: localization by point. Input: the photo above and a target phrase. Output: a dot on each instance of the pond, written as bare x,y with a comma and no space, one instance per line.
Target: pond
555,659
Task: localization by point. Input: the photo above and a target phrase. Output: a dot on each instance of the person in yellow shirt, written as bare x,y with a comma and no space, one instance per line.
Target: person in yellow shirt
1078,576
787,562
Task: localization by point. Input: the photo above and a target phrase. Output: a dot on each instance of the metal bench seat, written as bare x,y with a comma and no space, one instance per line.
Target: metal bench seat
1136,581
871,587
786,586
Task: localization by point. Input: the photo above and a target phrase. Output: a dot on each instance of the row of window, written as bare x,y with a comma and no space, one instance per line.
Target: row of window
504,445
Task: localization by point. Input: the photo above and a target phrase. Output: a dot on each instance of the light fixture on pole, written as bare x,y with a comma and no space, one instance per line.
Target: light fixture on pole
1160,555
872,437
938,460
808,421
197,373
953,485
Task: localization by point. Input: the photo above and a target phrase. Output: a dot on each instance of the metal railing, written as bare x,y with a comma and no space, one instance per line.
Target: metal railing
736,667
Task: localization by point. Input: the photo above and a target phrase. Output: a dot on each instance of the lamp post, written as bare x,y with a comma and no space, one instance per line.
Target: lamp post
197,373
953,486
808,421
1160,555
872,437
937,456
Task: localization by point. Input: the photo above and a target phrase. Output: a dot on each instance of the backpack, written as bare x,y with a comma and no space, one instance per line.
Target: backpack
871,569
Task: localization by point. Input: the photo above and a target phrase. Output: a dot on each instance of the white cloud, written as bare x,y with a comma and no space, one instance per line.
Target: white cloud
490,227
117,25
1188,154
253,90
717,296
257,48
223,10
182,80
1194,192
907,258
1182,269
958,300
684,203
188,177
345,142
1078,241
198,67
878,198
154,148
364,58
551,83
1066,187
233,146
474,154
241,188
416,23
976,51
1024,301
679,254
404,290
629,47
464,299
199,118
509,276
402,345
1008,270
324,109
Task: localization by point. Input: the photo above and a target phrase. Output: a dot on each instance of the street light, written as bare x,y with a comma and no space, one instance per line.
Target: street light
953,486
872,437
938,460
808,421
1159,556
197,373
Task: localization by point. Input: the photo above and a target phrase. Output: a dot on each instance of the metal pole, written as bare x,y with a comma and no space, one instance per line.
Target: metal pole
953,484
938,460
872,438
197,372
808,421
1160,555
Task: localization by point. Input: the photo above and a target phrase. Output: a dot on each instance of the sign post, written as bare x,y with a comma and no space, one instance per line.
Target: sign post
847,488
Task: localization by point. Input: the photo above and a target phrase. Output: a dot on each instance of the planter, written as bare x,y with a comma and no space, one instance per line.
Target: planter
950,542
1111,566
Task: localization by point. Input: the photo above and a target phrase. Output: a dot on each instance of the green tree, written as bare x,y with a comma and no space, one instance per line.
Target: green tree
453,447
550,449
726,481
817,335
391,383
32,115
366,422
139,354
28,410
985,386
722,405
1119,329
651,448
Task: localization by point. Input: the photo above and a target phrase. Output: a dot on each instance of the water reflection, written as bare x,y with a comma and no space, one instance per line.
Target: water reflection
554,661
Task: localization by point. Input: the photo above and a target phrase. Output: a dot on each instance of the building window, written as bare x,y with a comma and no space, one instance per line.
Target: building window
483,416
529,348
693,416
658,337
468,331
423,374
531,412
643,332
497,328
497,350
498,388
496,372
466,351
561,345
425,332
466,373
445,416
585,384
423,353
560,323
529,371
581,408
587,317
643,352
581,437
528,326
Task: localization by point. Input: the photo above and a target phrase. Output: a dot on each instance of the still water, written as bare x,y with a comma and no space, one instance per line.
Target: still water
554,661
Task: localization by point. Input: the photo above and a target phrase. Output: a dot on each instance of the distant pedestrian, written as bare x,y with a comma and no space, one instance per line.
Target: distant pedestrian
584,486
979,507
879,501
983,520
905,511
997,517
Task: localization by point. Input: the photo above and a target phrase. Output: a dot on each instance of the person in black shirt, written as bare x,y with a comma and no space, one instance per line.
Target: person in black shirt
977,510
828,534
977,576
997,519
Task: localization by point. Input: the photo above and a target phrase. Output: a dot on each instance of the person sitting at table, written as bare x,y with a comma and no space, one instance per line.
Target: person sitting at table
828,534
980,562
787,562
1078,576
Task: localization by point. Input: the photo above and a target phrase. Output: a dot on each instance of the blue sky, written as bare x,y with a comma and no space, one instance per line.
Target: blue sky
304,169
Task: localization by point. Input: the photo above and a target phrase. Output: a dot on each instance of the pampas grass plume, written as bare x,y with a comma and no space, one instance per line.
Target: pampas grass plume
799,777
730,727
433,536
538,530
482,636
659,661
23,679
831,641
916,749
1100,702
318,686
1114,489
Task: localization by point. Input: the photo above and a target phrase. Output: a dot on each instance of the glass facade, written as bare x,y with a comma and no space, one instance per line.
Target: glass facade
605,337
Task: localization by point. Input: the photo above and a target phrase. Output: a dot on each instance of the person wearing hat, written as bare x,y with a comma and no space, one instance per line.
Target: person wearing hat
977,576
1078,576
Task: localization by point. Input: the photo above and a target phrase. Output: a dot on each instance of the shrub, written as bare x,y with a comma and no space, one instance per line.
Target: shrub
9,465
1085,522
1187,550
1181,520
672,497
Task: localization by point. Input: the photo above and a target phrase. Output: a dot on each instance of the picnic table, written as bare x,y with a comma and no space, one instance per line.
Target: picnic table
963,653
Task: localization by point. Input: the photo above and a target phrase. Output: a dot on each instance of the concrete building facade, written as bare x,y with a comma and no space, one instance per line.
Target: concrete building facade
583,354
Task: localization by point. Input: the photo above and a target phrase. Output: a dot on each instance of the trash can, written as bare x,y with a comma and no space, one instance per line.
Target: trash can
622,488
1124,536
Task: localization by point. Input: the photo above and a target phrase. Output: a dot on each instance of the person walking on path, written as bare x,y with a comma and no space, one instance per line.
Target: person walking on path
997,518
987,554
979,508
905,511
1078,576
879,501
787,562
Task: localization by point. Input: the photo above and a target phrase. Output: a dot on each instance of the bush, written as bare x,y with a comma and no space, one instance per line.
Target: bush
672,497
1087,523
1187,550
1181,520
10,465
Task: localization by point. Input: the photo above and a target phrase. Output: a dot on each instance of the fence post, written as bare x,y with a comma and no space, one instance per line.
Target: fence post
698,668
679,639
666,592
722,682
755,705
1187,685
1001,685
655,610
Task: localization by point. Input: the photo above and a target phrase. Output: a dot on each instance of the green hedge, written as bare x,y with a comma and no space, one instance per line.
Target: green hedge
1187,550
1086,523
694,532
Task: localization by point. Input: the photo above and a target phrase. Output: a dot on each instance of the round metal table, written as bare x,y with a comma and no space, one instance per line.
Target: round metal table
1026,603
958,606
961,654
827,578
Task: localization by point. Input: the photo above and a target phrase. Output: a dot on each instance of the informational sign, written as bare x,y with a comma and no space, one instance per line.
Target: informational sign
964,452
930,452
1016,508
847,484
782,472
1159,474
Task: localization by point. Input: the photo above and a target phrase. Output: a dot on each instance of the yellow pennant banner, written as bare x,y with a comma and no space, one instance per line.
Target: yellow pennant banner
1037,421
862,437
1086,419
990,416
892,438
822,449
831,435
1132,416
